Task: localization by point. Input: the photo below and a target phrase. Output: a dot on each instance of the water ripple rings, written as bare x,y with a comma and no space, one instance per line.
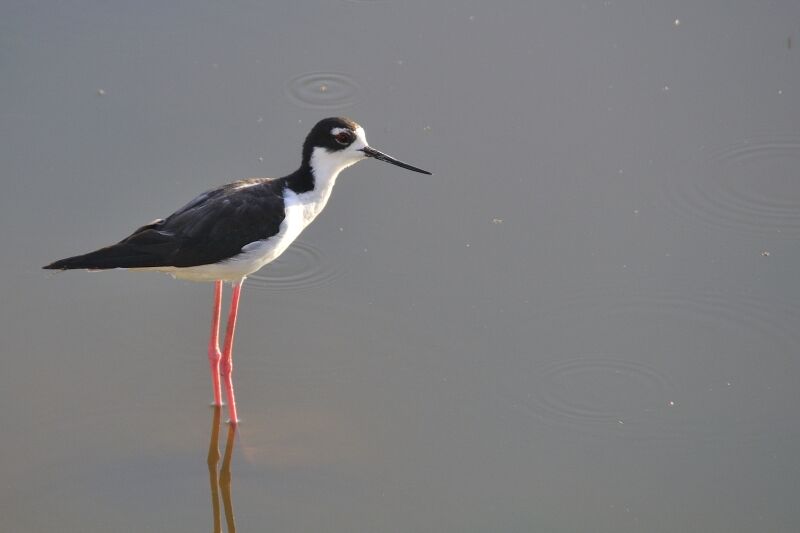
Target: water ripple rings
751,186
301,267
323,90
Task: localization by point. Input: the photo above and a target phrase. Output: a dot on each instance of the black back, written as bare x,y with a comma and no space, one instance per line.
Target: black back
209,229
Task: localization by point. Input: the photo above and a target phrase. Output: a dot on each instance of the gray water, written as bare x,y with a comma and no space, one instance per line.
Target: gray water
588,319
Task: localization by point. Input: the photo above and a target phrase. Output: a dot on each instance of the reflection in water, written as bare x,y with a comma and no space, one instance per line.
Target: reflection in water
222,479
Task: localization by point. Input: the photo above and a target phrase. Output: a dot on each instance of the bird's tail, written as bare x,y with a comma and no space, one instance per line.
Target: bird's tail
121,255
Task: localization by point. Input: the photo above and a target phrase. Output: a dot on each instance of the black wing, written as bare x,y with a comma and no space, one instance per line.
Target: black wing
211,228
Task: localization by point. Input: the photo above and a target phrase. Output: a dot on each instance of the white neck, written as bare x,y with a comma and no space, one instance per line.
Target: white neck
325,167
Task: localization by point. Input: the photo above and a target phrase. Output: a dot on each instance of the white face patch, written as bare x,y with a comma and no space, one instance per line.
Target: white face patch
361,138
338,160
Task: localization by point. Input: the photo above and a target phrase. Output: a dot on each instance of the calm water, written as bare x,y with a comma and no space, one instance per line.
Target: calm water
588,319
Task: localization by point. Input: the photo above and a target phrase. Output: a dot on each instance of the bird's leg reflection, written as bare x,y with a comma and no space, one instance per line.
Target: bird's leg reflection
225,479
213,460
221,480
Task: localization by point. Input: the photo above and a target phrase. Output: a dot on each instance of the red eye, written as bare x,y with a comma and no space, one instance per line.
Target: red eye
344,137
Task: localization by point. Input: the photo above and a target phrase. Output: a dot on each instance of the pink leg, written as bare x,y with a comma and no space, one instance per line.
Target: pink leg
214,354
226,363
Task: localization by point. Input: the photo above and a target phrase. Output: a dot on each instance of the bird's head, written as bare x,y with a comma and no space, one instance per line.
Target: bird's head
336,143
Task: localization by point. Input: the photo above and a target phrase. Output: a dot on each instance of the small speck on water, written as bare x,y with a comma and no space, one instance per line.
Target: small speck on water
426,128
666,88
323,88
677,22
671,403
260,159
765,253
497,221
101,92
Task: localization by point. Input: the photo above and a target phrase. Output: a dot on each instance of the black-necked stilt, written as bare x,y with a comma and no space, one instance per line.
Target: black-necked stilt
231,231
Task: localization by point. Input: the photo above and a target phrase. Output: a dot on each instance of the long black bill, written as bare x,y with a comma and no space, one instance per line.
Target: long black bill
372,152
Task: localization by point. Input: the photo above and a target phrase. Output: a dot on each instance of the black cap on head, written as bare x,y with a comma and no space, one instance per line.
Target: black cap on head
320,135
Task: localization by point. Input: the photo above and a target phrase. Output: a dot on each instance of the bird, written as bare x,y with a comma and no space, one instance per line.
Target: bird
229,232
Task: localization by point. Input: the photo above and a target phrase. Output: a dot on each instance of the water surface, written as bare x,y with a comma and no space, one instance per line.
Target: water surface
586,320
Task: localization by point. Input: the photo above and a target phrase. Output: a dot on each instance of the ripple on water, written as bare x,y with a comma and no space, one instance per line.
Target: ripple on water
302,266
600,390
620,394
597,394
323,90
751,186
765,317
762,318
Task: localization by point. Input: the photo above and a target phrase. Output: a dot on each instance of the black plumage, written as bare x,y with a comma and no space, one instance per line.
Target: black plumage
211,228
